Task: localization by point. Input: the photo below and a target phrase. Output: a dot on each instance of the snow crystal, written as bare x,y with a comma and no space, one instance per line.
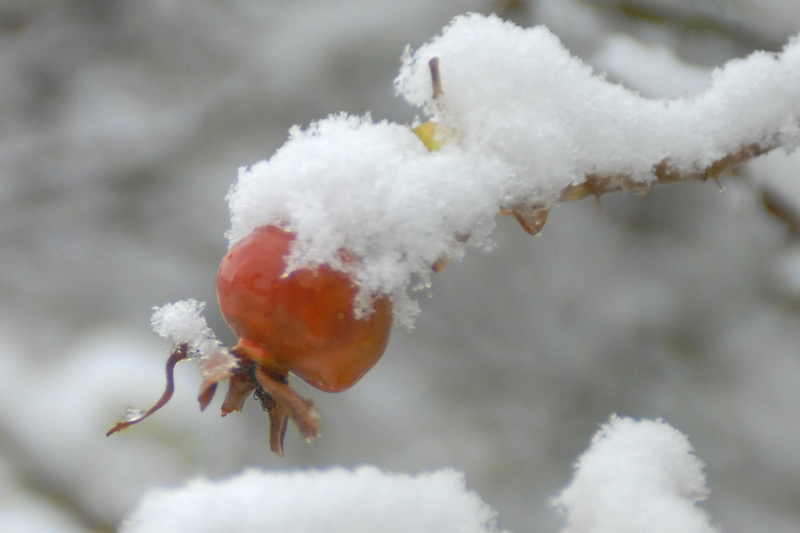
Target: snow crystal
336,500
531,120
183,322
638,477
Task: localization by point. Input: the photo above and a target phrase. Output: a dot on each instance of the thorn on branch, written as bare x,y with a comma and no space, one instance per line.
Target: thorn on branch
531,218
440,264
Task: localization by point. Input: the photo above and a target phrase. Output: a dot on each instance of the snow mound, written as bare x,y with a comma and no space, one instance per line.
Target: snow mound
335,500
637,477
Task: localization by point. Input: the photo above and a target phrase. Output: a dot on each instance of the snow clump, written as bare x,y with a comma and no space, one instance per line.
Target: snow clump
183,322
638,476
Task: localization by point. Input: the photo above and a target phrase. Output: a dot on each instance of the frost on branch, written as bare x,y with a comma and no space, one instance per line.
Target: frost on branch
526,125
335,500
637,477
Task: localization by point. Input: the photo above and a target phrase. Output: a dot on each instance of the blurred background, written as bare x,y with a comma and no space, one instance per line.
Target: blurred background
122,125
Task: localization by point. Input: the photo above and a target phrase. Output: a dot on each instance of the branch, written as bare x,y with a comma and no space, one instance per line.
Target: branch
596,184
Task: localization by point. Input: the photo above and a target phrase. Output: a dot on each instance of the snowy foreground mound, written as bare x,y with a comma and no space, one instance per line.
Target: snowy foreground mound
637,476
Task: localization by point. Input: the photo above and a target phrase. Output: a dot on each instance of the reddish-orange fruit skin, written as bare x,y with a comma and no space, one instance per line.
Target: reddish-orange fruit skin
303,323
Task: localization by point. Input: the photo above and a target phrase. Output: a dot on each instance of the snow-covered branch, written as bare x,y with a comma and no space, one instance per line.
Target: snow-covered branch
664,172
523,125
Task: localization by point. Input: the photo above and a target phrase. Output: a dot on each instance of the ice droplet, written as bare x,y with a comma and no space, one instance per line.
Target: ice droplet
132,414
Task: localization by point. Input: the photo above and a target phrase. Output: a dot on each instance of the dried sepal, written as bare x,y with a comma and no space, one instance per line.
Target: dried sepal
240,387
288,404
132,416
216,366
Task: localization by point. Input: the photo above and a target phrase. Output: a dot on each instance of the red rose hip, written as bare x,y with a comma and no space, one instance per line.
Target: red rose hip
302,323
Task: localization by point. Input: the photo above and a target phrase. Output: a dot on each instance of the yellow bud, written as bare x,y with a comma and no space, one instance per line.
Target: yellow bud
427,134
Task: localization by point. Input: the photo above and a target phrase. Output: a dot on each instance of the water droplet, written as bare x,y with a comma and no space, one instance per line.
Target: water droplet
132,414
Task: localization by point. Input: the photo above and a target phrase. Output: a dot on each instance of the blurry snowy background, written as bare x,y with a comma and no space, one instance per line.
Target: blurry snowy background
122,125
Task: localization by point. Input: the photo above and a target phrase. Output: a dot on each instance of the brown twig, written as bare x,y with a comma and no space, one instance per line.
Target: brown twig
597,184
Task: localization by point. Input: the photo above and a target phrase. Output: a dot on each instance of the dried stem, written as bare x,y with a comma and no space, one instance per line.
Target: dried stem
180,353
597,184
436,79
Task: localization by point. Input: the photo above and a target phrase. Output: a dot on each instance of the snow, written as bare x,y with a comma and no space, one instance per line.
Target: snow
505,85
333,500
374,189
637,476
183,322
529,119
